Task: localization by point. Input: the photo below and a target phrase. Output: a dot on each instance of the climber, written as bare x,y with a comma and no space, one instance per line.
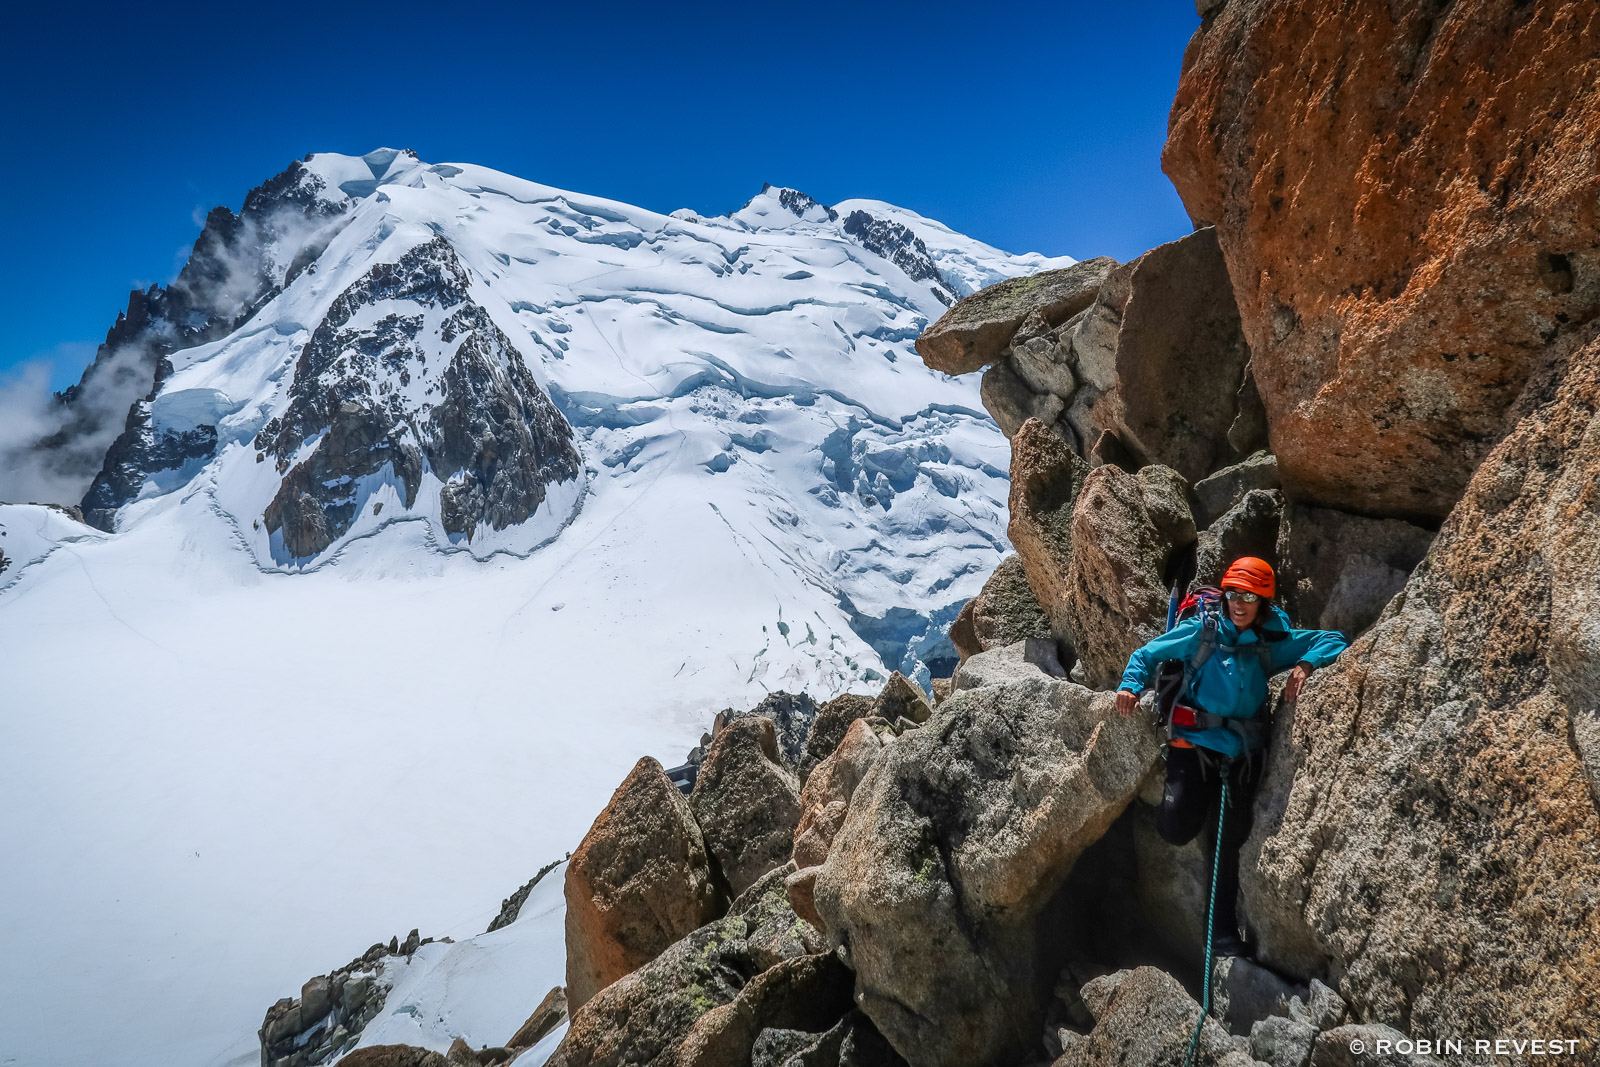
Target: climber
1223,695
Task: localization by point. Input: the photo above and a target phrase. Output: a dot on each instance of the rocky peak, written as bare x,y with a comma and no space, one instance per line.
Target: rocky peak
407,375
896,243
239,263
776,207
801,204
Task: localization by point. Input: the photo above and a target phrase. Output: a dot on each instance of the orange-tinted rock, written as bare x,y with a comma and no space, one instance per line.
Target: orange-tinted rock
638,881
827,794
1408,200
962,634
828,729
801,887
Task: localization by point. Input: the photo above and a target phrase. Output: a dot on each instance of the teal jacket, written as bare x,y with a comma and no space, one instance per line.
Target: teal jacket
1231,684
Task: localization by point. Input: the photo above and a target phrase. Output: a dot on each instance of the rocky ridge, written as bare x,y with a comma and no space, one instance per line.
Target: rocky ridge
238,264
366,404
326,1020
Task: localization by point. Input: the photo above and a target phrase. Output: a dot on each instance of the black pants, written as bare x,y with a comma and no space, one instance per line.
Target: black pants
1189,805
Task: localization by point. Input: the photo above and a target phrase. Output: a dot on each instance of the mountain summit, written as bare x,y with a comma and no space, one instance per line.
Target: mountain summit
429,493
381,341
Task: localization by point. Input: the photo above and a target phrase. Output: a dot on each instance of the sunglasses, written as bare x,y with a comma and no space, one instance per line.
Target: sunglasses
1241,596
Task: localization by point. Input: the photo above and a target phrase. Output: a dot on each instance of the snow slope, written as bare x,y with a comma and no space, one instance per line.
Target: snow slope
479,988
225,768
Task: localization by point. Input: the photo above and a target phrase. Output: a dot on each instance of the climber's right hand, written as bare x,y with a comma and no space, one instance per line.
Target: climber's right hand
1127,701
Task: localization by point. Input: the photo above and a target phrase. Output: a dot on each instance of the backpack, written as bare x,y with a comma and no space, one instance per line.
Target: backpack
1174,677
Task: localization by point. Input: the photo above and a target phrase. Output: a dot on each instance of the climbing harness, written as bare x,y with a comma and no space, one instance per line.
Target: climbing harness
1211,915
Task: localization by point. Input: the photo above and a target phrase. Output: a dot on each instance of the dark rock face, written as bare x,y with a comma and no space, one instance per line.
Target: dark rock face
799,202
141,451
897,244
852,1042
1340,570
1249,528
230,275
332,1010
511,906
791,715
1216,494
484,428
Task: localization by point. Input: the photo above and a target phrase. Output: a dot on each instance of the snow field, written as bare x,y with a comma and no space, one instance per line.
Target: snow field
221,775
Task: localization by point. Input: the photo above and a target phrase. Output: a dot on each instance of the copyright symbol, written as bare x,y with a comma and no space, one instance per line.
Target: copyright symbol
1357,1046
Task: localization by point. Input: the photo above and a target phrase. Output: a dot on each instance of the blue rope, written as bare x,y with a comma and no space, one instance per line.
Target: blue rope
1211,913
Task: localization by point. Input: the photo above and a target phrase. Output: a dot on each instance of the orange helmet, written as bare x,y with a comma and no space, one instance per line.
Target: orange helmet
1252,575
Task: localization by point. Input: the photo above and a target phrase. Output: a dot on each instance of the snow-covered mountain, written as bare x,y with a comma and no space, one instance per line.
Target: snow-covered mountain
449,494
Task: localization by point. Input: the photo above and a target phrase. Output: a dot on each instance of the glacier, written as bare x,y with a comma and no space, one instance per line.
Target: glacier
231,757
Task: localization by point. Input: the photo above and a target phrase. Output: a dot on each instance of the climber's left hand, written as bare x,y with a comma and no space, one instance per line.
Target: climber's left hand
1297,679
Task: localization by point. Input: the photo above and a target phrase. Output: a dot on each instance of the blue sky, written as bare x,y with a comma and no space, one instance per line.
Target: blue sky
1035,127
